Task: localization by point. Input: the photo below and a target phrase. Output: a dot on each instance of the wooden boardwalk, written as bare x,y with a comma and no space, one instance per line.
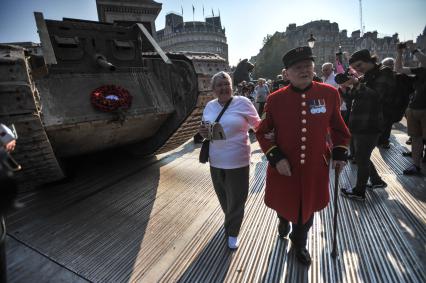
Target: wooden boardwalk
124,219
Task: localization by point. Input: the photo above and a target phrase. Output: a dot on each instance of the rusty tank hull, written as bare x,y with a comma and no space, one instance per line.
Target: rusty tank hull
50,99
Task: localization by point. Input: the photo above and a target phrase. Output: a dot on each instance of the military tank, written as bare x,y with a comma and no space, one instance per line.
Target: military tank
98,86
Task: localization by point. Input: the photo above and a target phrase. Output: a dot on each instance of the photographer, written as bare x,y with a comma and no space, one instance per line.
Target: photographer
416,111
8,190
366,118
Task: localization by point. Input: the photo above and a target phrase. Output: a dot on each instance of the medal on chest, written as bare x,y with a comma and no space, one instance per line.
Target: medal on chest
317,106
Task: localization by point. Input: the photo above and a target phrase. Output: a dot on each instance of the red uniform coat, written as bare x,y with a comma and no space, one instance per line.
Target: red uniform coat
301,121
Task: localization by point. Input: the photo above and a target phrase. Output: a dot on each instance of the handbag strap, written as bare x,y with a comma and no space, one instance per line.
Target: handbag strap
223,110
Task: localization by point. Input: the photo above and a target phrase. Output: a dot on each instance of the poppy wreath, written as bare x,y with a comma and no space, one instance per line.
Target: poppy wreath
109,98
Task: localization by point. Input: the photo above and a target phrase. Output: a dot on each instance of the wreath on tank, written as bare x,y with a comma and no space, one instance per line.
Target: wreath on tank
109,98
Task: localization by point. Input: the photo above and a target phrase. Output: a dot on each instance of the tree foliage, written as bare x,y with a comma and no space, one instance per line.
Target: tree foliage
269,60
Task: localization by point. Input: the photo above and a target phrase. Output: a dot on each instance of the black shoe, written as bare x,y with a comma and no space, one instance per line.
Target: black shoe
351,193
302,255
412,170
380,185
283,228
406,153
385,145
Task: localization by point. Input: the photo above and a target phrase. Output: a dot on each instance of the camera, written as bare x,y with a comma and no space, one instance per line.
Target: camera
343,77
402,45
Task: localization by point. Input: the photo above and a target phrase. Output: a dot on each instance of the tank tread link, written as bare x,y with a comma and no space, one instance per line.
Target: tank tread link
206,65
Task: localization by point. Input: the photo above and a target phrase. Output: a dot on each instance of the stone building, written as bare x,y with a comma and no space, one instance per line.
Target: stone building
421,40
329,40
207,36
177,35
130,11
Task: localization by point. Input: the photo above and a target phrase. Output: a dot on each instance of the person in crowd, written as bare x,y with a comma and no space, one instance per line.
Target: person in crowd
388,62
7,138
261,92
8,191
416,111
301,116
344,90
366,118
229,158
340,66
328,74
251,94
281,81
277,83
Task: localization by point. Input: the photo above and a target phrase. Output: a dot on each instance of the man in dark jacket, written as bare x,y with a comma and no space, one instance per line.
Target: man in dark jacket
416,112
366,119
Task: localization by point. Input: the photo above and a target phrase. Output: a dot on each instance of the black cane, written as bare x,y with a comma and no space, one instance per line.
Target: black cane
336,194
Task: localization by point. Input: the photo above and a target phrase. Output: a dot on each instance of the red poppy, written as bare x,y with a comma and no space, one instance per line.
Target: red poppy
109,98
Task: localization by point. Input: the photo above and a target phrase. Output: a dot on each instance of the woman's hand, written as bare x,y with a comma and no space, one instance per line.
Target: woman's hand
203,130
10,146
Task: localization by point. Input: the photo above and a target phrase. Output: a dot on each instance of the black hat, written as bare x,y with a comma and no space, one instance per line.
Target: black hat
361,55
296,55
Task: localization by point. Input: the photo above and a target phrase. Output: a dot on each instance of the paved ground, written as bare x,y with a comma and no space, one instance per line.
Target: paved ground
123,219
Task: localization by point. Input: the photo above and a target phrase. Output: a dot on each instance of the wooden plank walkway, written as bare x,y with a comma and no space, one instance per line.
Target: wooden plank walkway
124,219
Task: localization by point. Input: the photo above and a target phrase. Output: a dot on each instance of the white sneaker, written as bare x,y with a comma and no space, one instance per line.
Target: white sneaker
233,243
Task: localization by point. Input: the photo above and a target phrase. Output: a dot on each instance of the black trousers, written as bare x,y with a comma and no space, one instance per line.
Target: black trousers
261,107
231,186
387,128
299,232
364,145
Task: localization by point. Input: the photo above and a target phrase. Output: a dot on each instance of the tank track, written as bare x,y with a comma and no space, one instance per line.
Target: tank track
19,106
205,65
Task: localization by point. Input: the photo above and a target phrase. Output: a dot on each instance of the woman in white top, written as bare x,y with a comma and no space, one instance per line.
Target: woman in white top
230,158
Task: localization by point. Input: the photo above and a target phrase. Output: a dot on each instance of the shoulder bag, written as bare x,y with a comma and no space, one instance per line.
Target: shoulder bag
205,147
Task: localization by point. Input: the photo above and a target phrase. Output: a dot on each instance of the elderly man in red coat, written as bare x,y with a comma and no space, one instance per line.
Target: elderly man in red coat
303,117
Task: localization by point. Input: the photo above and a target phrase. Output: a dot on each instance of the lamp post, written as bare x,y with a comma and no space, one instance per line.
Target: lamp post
311,41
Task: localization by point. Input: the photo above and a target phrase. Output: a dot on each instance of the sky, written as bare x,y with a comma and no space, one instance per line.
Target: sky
247,22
